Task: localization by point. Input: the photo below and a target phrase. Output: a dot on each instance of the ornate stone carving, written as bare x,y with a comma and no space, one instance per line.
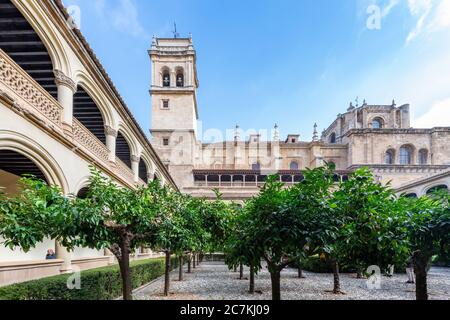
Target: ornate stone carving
84,137
22,85
135,158
63,80
109,131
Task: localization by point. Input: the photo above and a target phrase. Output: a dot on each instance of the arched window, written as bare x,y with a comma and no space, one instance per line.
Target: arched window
377,123
256,166
411,195
333,138
423,156
389,157
87,112
406,155
293,165
180,78
437,188
166,78
143,172
123,151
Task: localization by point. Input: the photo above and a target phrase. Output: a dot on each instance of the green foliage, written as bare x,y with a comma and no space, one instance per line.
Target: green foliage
96,284
429,224
374,226
33,215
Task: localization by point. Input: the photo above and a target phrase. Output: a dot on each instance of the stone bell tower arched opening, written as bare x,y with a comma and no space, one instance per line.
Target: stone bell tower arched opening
174,104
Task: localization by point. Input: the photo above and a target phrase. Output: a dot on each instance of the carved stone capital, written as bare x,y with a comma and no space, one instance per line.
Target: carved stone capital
135,158
110,131
62,80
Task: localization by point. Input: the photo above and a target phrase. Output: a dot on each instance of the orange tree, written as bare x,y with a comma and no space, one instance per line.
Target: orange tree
276,230
116,218
37,212
429,234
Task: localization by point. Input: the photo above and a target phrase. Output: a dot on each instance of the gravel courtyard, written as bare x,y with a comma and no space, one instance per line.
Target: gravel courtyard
213,281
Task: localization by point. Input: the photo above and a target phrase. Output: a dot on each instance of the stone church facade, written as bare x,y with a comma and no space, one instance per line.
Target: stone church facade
380,137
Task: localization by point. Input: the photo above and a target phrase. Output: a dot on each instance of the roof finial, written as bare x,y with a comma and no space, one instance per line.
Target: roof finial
357,102
175,33
237,136
276,133
315,133
351,107
393,103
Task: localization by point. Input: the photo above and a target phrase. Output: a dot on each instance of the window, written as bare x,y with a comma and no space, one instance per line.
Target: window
293,165
165,104
333,138
389,157
423,156
166,79
256,166
294,140
406,155
180,79
377,123
165,141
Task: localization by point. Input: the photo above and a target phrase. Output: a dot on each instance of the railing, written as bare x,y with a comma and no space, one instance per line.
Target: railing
233,184
123,170
30,97
90,142
24,88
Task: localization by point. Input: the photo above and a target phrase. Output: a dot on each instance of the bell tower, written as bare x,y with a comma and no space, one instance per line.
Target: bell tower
174,105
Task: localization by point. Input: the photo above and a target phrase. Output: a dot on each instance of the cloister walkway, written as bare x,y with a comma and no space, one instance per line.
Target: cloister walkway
213,281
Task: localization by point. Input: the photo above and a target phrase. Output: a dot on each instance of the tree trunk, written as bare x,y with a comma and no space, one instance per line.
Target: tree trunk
300,273
193,261
241,271
359,274
336,280
167,274
252,280
124,265
420,269
276,287
180,268
189,264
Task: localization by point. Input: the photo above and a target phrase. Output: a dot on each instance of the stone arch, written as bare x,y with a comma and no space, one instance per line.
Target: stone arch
32,12
422,156
41,158
333,138
82,184
389,156
294,165
406,154
437,186
180,77
165,76
130,137
31,42
84,81
377,122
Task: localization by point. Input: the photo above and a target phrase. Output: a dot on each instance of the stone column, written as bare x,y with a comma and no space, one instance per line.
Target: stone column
135,167
66,89
62,254
111,136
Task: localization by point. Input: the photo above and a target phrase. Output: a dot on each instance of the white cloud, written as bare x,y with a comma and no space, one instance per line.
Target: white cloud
421,9
125,18
388,8
431,15
121,15
437,116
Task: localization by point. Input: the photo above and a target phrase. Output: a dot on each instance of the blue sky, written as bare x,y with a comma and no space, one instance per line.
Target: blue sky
291,62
